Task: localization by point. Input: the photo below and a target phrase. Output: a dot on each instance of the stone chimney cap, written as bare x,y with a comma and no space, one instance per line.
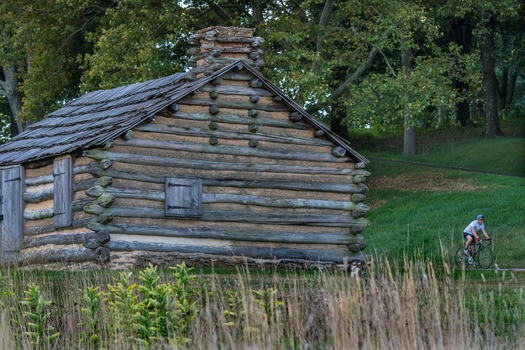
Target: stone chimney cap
216,47
228,31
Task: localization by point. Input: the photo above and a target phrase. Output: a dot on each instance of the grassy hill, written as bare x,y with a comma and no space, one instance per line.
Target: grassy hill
422,203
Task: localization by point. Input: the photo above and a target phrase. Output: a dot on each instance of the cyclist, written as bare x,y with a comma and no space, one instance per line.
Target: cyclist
470,233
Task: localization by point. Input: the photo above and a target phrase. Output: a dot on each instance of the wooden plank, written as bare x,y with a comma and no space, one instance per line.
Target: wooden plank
198,132
13,207
236,235
232,150
249,217
207,165
183,197
159,178
63,192
252,252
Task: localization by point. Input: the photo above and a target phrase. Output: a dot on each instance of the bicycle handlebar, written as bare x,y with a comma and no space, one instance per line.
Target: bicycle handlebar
481,241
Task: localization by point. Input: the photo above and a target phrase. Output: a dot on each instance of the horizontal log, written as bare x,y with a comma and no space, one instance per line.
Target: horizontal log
58,239
64,255
40,196
231,198
233,104
58,255
208,165
231,150
283,203
249,217
234,235
160,178
77,206
239,251
197,132
38,230
242,75
47,179
236,119
236,90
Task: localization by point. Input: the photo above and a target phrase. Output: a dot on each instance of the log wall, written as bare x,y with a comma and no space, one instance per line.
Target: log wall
43,242
271,189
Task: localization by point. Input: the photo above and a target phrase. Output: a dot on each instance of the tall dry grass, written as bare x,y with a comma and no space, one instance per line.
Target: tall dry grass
413,306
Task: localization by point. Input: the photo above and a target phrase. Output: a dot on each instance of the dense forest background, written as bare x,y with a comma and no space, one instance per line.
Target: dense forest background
384,65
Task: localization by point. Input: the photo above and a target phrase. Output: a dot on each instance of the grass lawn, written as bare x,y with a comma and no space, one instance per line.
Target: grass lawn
417,208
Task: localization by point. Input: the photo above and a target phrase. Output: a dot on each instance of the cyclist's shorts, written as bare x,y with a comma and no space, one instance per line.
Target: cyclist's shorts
465,234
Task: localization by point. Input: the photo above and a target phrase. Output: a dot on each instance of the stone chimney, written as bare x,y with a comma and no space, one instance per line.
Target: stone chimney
216,47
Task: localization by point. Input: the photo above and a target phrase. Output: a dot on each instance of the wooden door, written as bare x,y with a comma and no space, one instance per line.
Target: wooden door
12,211
63,197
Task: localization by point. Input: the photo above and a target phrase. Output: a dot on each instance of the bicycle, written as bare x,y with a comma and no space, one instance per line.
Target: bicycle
481,258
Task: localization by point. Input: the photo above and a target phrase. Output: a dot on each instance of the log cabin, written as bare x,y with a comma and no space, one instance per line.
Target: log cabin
212,166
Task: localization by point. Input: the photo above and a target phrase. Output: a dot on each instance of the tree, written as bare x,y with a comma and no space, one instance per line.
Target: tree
135,40
494,23
40,43
415,81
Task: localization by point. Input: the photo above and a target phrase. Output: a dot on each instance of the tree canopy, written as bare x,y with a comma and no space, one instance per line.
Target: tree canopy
377,64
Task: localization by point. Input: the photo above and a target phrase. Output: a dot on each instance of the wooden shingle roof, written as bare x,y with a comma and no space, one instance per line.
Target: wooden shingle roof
101,116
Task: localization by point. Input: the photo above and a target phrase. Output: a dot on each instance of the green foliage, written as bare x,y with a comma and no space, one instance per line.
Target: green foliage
91,309
5,290
233,309
268,300
41,39
317,51
37,317
154,311
135,41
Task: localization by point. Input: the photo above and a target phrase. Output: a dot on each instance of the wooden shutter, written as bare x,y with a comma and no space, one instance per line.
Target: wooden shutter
183,197
12,211
63,197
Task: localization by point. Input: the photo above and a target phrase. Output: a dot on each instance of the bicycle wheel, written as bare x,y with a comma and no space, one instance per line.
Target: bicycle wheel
484,257
461,259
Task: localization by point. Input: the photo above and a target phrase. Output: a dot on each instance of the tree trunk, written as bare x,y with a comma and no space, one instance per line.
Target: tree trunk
257,9
462,31
512,84
321,35
490,83
409,137
337,116
409,131
503,92
9,88
508,84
